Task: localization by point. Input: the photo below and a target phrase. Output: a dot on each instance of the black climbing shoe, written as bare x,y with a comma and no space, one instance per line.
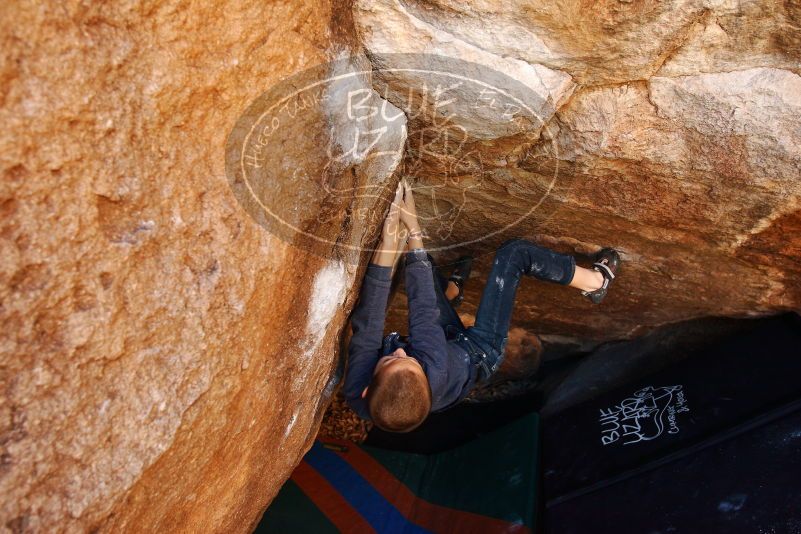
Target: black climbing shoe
460,274
607,262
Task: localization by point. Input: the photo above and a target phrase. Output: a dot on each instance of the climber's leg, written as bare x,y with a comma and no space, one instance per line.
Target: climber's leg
515,258
448,318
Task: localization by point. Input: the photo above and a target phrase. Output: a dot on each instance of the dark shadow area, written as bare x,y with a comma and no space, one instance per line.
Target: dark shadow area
611,364
694,427
569,378
707,443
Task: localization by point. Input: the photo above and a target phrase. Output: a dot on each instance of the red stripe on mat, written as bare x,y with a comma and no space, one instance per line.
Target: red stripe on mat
329,501
438,519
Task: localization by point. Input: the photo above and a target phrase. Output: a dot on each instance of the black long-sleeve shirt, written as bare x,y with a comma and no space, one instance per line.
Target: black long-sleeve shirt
446,364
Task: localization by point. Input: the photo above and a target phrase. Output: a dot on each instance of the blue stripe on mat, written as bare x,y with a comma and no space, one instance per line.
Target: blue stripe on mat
378,511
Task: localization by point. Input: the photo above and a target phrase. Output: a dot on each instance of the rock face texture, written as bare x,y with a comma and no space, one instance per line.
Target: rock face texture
165,360
669,130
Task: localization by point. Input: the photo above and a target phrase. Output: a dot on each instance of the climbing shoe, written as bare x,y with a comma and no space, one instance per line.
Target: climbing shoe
460,274
607,262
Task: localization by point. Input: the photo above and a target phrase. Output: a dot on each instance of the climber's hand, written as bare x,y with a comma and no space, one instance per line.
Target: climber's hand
393,235
408,214
408,211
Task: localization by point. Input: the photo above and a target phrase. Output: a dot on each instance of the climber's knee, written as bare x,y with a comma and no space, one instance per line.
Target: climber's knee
511,247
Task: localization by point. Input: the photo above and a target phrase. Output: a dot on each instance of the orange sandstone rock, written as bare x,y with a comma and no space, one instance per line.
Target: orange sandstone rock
165,360
667,130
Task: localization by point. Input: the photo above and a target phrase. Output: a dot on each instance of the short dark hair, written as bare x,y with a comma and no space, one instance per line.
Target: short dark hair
398,399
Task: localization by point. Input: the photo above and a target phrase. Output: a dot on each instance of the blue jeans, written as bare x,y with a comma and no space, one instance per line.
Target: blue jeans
486,340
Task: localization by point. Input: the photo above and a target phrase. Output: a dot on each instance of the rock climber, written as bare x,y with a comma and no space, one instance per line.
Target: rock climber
396,381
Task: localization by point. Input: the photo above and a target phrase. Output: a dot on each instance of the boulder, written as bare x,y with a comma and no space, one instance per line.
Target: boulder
668,130
165,358
175,279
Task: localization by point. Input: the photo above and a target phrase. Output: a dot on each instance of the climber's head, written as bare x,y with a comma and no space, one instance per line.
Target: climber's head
399,397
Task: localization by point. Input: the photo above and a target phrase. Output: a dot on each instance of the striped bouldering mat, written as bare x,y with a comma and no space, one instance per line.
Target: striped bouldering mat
486,486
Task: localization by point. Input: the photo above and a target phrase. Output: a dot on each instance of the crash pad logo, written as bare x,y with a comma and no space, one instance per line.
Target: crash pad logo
644,416
315,159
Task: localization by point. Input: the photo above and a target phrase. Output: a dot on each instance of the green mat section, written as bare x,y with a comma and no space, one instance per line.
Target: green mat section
495,475
292,508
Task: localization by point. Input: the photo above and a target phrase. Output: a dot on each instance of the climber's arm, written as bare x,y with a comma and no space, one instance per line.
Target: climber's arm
367,322
393,234
427,336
